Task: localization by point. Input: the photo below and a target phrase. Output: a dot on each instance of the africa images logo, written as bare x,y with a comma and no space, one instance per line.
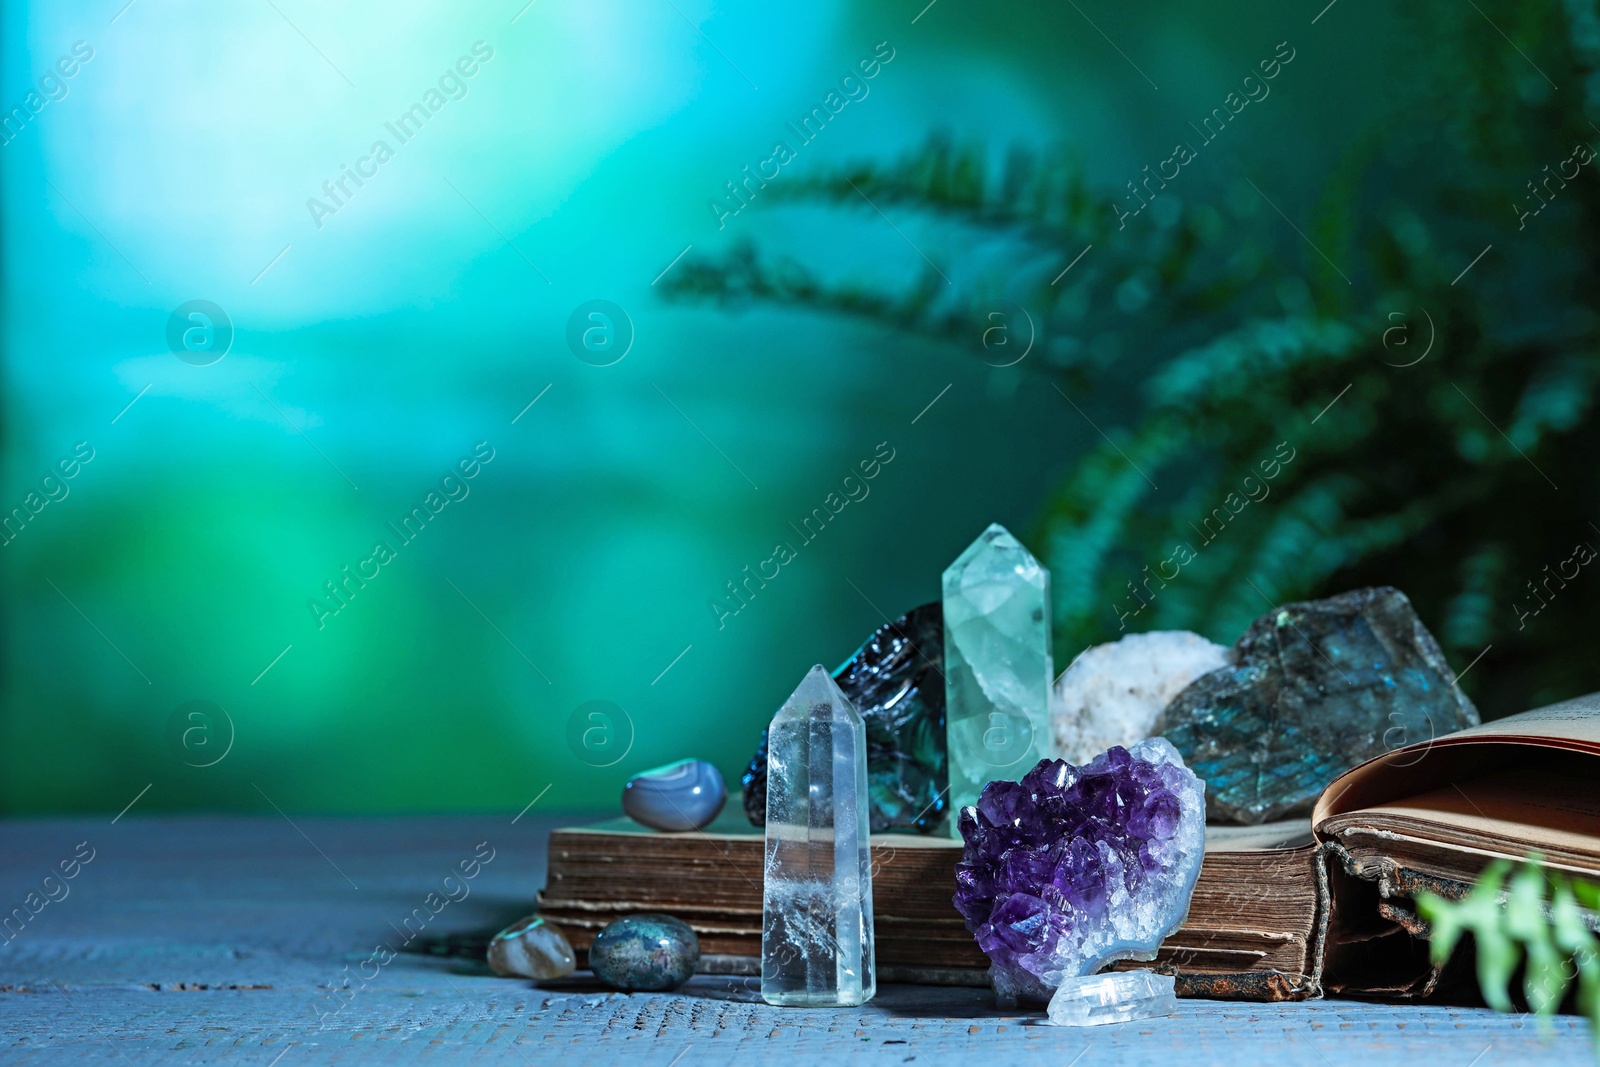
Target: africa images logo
199,332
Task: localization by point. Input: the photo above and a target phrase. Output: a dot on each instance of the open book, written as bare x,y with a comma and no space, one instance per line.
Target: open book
1279,912
1432,815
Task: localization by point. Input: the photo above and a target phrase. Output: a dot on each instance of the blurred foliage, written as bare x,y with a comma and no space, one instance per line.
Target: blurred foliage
1540,915
1439,419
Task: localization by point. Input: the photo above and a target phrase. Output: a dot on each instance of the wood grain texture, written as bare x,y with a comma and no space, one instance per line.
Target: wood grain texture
223,940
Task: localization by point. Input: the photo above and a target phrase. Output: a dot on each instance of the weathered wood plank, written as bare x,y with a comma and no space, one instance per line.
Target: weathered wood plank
221,941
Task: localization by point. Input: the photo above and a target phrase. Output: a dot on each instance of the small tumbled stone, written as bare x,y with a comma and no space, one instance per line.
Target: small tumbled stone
645,954
1112,694
685,795
531,948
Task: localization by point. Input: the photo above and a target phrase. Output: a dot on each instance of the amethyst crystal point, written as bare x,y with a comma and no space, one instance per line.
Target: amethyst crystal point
1073,868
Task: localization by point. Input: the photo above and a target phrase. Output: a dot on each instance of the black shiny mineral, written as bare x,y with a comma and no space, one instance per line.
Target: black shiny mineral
896,682
1317,687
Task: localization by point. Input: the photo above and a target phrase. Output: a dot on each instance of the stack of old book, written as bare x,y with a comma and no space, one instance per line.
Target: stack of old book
1281,911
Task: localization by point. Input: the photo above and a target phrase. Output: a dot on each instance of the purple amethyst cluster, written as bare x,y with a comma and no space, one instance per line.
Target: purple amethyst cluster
1075,867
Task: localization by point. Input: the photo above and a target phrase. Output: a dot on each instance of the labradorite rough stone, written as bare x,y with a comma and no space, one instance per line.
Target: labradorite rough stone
680,796
647,953
1316,688
895,682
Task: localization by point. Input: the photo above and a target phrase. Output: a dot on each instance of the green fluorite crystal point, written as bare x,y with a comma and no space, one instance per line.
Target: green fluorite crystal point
816,922
997,669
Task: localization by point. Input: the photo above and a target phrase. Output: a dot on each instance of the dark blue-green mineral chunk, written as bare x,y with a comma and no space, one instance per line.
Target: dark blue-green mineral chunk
1317,687
645,953
896,682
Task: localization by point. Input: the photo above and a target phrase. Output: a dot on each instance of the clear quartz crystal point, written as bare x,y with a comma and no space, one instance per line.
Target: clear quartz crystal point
997,669
1113,997
816,921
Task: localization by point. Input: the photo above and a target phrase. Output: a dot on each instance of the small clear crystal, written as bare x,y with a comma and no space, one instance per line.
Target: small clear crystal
997,665
816,923
1115,997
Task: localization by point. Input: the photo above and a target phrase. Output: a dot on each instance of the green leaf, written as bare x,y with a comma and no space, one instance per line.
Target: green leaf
1544,980
1558,942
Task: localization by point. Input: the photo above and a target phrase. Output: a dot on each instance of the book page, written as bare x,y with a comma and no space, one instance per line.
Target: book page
1570,726
1576,720
1287,833
1533,808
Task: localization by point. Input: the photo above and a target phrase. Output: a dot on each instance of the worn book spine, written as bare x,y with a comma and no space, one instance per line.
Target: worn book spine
1375,944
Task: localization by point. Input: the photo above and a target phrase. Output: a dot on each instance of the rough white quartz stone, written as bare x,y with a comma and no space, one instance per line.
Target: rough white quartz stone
1113,694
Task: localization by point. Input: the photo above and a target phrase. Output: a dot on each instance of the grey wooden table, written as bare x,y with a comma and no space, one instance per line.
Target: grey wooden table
229,940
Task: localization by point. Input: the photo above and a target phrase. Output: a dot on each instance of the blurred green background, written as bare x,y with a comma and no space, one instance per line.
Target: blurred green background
373,352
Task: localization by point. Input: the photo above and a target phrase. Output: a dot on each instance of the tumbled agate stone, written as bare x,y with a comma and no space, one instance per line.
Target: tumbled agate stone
647,953
1073,868
685,795
531,948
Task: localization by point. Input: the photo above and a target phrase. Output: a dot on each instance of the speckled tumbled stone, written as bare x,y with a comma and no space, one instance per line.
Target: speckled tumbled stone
685,795
531,948
645,954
